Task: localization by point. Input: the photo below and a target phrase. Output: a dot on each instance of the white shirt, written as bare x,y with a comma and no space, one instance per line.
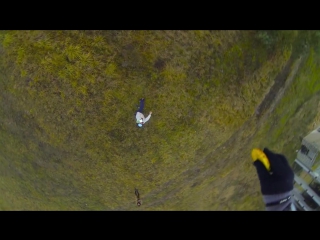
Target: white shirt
139,116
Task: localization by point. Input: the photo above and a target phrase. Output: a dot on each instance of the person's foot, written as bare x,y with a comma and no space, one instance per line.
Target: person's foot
141,99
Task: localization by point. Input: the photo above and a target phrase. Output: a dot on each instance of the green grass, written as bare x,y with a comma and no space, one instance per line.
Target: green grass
294,115
67,126
296,110
235,186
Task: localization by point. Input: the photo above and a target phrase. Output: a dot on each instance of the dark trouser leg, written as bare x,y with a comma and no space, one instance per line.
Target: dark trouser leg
136,192
141,106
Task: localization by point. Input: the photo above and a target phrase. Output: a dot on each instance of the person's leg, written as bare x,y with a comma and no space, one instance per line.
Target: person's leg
136,192
141,106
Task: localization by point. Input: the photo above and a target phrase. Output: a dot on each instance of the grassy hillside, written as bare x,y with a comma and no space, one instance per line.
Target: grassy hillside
68,134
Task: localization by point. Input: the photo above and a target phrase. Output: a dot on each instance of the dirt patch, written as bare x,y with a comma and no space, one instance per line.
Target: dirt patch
279,82
160,64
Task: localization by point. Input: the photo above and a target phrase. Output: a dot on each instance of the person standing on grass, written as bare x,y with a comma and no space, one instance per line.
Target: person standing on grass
136,192
140,119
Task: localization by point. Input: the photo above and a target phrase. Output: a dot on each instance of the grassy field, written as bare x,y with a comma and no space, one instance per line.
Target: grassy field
67,132
231,183
298,111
